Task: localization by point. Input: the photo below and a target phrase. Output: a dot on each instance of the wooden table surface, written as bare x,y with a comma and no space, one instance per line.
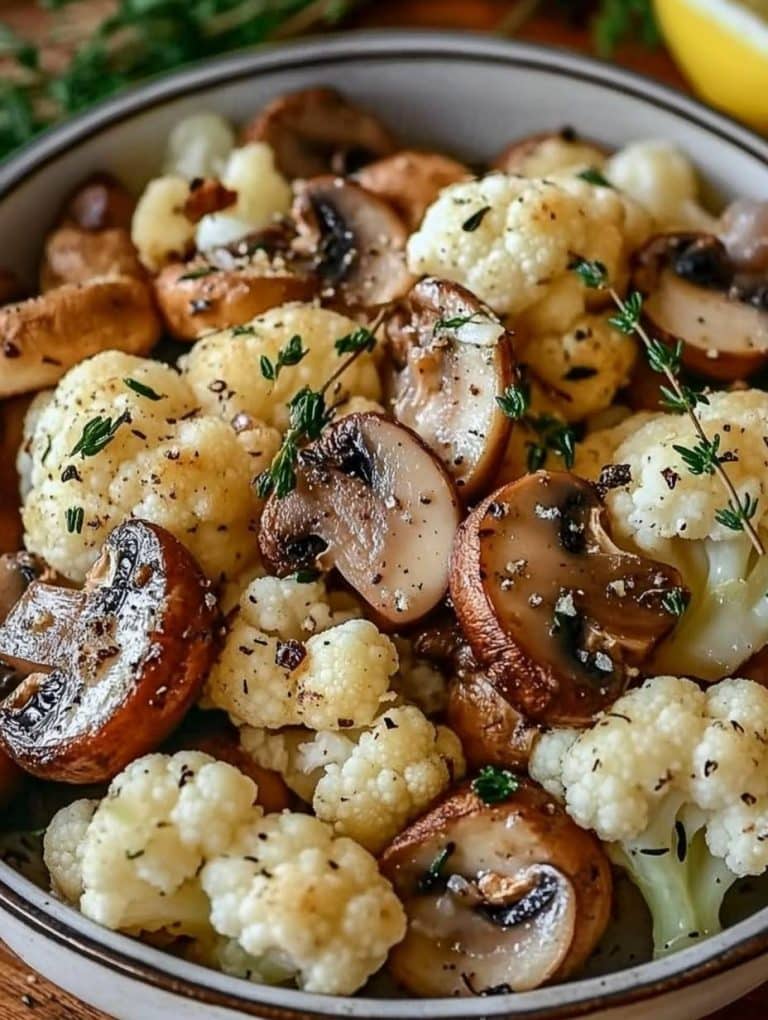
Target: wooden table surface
23,994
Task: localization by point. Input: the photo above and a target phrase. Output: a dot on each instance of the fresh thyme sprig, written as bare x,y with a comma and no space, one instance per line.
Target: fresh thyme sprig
704,457
98,433
555,435
293,352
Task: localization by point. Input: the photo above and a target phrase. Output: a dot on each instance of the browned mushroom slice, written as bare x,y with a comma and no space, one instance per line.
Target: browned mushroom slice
692,293
109,670
544,153
316,130
451,358
100,203
357,241
374,502
555,613
411,181
500,897
220,290
492,732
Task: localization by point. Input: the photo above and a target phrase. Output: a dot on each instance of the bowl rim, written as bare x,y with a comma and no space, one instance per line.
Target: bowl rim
64,925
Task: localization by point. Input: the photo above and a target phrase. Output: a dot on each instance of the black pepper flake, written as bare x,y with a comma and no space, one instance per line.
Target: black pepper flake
290,654
390,723
70,473
474,221
670,476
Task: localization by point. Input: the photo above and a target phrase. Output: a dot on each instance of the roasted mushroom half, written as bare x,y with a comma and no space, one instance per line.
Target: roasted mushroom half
451,358
317,130
500,897
109,670
357,242
411,181
491,730
555,613
373,501
694,293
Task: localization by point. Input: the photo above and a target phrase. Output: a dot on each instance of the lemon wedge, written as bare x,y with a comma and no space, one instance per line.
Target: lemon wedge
722,46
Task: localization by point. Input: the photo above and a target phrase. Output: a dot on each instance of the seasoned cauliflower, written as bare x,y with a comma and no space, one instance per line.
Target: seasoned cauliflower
159,229
263,194
288,660
676,779
223,369
598,449
370,784
660,178
529,231
555,153
291,890
199,146
135,863
675,516
161,462
582,368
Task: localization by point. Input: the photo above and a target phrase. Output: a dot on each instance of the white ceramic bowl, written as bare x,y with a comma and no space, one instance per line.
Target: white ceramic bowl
466,95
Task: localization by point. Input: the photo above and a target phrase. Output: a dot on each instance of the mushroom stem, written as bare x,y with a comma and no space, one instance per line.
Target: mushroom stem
41,638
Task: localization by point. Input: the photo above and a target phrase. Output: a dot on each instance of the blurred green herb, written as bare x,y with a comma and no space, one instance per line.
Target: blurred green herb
139,39
619,21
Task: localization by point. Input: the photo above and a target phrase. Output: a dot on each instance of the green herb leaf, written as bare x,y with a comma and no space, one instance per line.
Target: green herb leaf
735,517
433,876
291,354
309,414
703,457
593,176
627,318
458,321
306,576
592,274
268,370
142,390
536,457
75,517
494,785
556,437
618,21
361,340
675,601
473,222
198,274
688,398
664,357
97,434
243,331
515,401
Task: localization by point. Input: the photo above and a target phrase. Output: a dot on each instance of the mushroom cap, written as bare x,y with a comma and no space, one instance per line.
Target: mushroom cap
411,181
443,379
523,895
373,501
693,293
491,730
356,239
317,130
110,669
44,336
101,202
74,255
555,613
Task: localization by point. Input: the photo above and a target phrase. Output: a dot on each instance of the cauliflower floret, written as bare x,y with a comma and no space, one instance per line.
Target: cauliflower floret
676,779
192,475
159,228
672,514
367,784
287,661
661,179
198,146
584,367
24,458
419,681
263,194
291,889
136,864
555,153
223,369
530,231
598,449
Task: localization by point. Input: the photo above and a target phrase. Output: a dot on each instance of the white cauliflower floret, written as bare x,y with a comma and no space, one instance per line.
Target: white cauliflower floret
660,178
584,367
555,153
676,779
528,235
288,661
199,146
223,369
159,229
263,194
419,681
63,846
673,515
190,474
140,853
367,784
290,889
598,449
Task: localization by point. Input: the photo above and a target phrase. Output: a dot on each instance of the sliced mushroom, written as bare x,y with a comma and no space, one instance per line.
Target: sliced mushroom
218,290
411,181
491,730
357,241
544,153
12,414
744,232
317,130
371,500
451,358
100,203
43,337
112,669
693,293
555,613
500,897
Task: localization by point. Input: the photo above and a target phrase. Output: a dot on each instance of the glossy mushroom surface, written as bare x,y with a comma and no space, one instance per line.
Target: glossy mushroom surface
411,181
110,670
556,614
317,130
500,897
374,502
491,730
693,293
450,359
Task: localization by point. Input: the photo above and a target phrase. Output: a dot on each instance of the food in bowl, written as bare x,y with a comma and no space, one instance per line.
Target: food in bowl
393,574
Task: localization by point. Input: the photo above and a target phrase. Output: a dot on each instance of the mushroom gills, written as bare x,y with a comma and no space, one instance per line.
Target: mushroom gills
371,500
